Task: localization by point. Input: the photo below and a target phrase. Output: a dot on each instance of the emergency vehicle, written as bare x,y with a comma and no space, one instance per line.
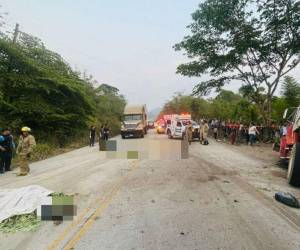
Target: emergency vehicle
176,127
290,146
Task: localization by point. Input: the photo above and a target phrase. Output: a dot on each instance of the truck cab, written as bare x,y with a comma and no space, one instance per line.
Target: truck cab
134,121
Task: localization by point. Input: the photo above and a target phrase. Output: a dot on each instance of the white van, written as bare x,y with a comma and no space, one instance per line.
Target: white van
177,127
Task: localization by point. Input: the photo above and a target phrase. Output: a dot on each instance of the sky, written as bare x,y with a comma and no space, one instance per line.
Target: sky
127,44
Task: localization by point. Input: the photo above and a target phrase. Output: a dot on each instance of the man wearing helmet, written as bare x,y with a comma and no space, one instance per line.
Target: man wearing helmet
24,149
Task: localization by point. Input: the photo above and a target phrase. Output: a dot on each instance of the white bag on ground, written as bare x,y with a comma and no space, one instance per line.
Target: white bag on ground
21,200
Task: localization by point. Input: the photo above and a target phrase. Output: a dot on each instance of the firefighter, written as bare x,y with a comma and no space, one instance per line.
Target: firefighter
200,132
205,129
24,149
190,133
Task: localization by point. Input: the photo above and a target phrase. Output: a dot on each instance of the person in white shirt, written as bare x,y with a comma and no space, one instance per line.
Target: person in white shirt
252,134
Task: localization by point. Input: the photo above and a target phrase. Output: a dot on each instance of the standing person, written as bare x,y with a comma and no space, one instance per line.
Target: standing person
106,132
205,129
252,133
215,129
101,133
7,150
92,136
1,154
190,133
200,131
24,150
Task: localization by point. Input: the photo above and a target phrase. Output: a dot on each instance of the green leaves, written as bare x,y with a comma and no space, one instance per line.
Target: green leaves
255,42
24,222
39,89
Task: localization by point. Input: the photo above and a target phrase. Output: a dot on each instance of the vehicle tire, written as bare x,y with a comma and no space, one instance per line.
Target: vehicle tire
142,135
123,136
293,174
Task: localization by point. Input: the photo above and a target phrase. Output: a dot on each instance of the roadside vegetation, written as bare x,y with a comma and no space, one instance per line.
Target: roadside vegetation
228,105
253,43
39,89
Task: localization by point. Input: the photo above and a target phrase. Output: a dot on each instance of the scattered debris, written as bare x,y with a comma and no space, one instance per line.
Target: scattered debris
192,200
182,233
23,222
236,201
287,199
153,201
225,181
142,231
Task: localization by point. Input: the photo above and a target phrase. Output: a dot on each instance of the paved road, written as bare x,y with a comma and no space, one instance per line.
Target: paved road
218,198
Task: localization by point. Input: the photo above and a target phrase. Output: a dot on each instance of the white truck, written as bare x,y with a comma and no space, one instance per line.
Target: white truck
177,125
135,121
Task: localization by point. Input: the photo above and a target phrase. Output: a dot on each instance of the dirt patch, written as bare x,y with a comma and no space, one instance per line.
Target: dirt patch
277,173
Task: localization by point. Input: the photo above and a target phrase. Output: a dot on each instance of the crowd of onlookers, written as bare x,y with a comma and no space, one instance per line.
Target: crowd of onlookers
248,133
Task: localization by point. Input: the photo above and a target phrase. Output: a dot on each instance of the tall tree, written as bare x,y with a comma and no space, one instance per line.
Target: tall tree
255,42
291,91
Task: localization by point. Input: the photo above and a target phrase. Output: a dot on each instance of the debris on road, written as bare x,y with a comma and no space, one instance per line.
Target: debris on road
287,199
24,222
21,201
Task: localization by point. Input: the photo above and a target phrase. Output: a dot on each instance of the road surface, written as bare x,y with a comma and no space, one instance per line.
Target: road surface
221,197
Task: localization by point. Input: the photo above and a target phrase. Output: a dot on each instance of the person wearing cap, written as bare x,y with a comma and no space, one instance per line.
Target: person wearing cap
25,147
7,147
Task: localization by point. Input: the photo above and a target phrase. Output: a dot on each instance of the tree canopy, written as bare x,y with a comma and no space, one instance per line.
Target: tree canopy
255,42
39,89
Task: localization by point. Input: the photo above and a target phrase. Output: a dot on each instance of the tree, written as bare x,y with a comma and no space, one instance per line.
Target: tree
291,91
255,42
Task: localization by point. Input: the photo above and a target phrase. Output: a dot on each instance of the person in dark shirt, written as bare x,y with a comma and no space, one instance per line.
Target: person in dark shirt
7,147
92,136
106,132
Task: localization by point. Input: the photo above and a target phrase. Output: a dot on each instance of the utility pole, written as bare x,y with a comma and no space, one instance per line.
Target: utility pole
16,32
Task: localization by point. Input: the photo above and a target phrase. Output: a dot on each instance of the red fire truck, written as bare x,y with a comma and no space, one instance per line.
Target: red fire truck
290,145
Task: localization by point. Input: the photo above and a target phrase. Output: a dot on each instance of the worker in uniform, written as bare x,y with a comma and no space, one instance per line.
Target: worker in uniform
24,149
200,131
190,132
205,129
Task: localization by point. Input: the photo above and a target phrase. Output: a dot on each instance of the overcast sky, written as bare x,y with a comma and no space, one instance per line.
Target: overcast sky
125,43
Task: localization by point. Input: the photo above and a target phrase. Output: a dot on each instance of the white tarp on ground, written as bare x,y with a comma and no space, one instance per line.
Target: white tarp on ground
21,200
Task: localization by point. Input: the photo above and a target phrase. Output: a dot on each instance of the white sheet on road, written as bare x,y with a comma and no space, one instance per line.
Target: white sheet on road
21,200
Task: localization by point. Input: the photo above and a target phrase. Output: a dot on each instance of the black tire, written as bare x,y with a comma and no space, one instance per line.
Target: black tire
293,174
123,136
142,135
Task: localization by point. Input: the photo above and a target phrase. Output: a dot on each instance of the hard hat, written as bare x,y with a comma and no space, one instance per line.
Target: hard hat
1,138
25,129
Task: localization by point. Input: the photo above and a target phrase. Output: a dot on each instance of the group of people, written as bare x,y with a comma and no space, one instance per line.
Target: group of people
103,134
203,132
232,131
24,149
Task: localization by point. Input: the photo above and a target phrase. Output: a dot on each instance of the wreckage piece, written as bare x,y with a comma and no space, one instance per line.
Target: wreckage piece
287,199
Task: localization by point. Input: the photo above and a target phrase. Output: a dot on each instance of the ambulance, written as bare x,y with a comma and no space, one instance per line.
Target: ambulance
177,125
